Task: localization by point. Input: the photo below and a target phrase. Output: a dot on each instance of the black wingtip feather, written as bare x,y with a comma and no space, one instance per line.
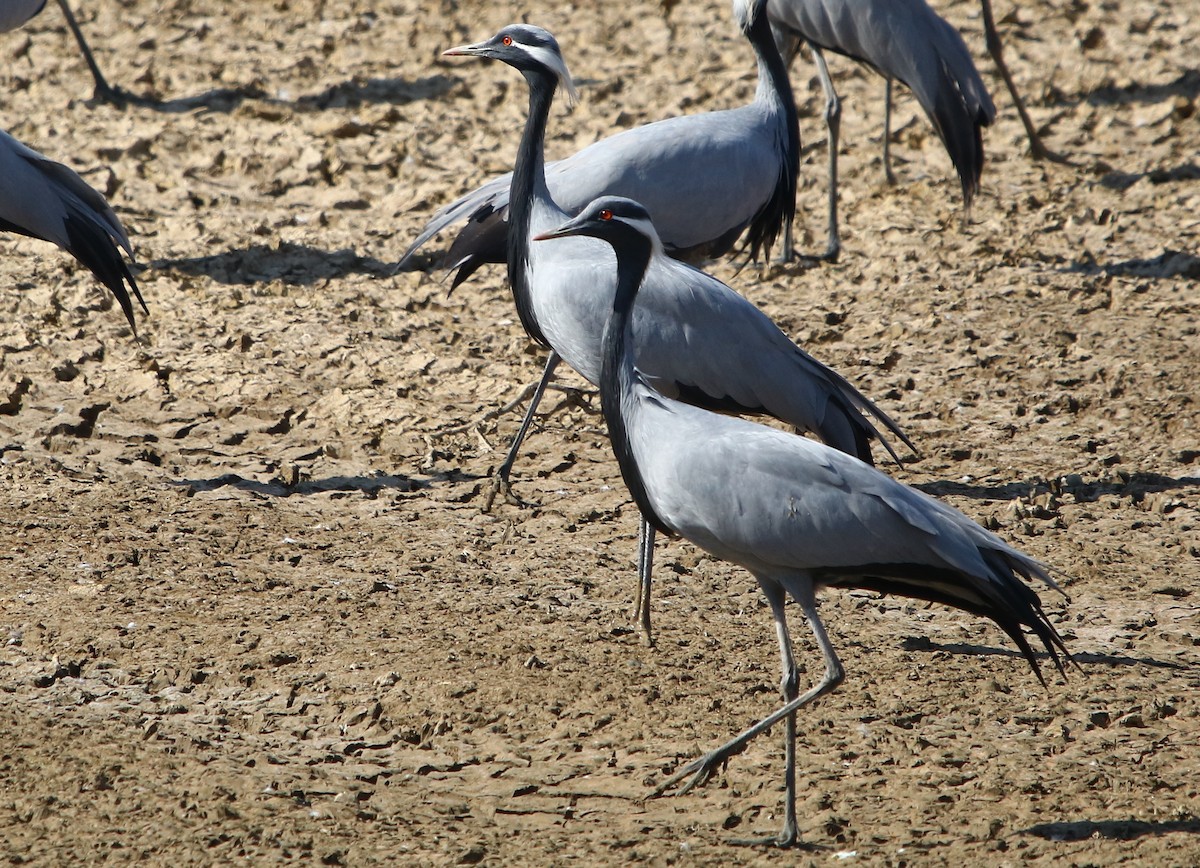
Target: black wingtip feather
99,253
960,127
1014,607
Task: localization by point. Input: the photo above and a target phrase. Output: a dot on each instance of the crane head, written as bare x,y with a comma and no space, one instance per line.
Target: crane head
526,48
609,218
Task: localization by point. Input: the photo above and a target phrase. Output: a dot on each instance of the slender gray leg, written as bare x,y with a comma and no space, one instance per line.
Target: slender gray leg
996,50
702,770
833,121
500,480
887,134
641,611
104,92
789,688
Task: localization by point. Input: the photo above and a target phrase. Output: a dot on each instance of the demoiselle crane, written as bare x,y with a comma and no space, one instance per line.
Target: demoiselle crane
14,13
44,199
899,39
699,339
795,513
706,177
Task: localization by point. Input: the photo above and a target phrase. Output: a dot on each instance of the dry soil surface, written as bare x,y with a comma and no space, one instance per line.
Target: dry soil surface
250,605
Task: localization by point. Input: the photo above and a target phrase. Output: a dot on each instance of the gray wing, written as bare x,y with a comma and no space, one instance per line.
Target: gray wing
14,13
701,342
485,200
703,178
771,500
908,41
44,199
799,512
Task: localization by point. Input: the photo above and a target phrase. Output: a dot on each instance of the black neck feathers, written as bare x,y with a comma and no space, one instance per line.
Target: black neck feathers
617,373
529,170
780,209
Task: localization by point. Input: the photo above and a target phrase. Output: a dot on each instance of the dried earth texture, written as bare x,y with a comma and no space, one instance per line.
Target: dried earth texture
251,607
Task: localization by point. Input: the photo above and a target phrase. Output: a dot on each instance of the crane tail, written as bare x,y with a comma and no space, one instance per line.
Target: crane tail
95,248
1002,598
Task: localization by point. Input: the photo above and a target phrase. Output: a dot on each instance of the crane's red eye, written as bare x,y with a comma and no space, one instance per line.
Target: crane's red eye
605,214
507,40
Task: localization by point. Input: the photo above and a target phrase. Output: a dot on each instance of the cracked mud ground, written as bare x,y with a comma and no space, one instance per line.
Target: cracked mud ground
251,609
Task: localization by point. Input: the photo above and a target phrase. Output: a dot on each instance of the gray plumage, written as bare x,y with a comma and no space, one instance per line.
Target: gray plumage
795,513
697,338
706,177
903,40
44,199
14,13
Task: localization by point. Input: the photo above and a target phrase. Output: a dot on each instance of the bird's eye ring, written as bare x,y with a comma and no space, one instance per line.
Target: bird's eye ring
507,40
605,214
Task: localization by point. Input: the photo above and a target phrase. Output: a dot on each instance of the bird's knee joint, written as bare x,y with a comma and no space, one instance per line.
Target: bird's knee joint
833,110
789,684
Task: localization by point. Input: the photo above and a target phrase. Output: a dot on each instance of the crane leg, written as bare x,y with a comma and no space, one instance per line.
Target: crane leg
887,134
500,482
104,92
833,121
701,770
641,608
789,688
1036,148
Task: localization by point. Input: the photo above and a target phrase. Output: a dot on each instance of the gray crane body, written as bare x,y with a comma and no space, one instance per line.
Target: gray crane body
908,41
706,177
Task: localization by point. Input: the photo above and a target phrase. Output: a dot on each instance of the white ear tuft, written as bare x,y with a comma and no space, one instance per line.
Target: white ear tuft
564,79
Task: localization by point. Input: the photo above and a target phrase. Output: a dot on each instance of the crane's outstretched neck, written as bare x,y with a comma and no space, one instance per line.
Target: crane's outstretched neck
528,181
617,373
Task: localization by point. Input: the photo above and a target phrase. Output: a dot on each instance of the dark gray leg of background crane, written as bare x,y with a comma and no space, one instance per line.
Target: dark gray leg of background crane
887,134
833,121
104,92
996,50
641,609
500,482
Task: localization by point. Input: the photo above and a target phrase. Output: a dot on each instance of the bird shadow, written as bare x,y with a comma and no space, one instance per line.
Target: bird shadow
221,99
925,644
348,94
1168,264
372,486
380,91
1186,85
1122,181
294,264
1134,485
1113,830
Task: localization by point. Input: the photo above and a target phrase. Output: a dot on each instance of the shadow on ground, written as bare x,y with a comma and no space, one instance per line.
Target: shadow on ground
348,94
369,485
295,264
1119,830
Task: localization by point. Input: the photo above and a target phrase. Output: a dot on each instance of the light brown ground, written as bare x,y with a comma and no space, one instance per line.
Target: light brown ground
255,611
